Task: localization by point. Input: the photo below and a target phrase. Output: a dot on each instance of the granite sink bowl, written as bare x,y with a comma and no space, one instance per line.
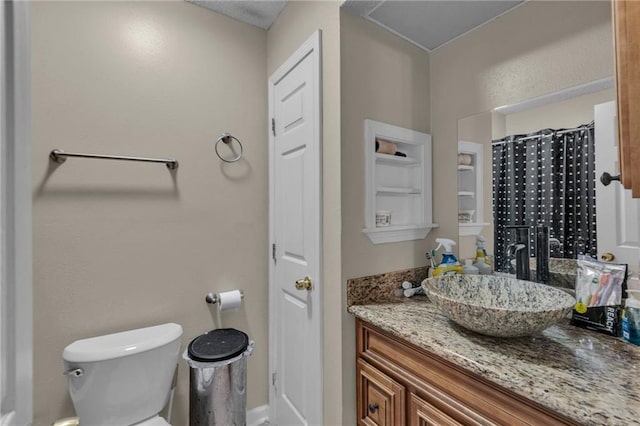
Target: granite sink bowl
498,306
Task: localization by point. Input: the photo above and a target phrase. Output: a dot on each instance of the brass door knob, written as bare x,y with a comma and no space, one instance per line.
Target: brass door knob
607,257
303,284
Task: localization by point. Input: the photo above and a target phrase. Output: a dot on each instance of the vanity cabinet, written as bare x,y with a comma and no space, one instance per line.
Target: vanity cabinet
400,185
626,21
408,385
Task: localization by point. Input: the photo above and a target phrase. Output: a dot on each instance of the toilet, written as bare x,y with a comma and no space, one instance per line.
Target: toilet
123,378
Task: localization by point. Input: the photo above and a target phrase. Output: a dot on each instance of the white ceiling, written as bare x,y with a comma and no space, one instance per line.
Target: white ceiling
259,13
430,24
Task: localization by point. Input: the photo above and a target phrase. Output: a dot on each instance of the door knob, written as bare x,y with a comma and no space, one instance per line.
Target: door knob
607,257
373,407
303,284
606,178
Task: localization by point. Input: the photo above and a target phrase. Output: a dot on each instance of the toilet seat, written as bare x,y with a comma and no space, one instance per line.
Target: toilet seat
153,421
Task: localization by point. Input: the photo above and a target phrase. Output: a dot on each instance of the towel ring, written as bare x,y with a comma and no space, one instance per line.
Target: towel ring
228,138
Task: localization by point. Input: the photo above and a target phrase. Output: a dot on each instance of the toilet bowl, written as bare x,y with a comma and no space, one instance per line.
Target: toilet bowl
123,378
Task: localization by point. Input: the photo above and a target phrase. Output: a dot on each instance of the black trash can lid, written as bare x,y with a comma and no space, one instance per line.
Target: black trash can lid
218,345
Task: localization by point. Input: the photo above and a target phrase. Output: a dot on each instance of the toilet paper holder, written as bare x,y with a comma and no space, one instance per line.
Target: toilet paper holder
213,298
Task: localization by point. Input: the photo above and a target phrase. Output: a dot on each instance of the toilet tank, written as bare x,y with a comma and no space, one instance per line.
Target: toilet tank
124,378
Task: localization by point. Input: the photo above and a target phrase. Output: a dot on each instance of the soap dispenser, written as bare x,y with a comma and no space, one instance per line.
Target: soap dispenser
482,261
449,264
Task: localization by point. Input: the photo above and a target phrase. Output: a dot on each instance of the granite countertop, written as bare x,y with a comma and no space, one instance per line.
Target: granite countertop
590,377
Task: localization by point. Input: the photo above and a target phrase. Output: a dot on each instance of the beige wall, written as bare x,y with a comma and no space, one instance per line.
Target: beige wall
560,115
508,61
123,245
384,78
294,25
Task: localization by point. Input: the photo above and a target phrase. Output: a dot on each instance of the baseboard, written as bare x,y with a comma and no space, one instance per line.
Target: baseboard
258,416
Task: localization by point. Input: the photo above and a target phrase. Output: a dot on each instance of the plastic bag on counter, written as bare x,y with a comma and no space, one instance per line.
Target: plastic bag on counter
599,293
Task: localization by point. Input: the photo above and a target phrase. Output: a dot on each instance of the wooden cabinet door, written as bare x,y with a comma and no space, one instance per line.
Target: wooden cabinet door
421,413
381,400
626,18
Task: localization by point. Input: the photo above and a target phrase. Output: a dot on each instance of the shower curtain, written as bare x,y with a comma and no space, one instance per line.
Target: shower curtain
546,178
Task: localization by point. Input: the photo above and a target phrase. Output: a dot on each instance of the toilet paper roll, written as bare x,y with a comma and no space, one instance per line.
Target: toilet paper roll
229,300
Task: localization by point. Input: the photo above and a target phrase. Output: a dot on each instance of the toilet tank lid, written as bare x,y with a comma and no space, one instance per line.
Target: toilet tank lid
121,344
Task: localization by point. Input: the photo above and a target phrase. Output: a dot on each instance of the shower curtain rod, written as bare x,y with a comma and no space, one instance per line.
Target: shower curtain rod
561,132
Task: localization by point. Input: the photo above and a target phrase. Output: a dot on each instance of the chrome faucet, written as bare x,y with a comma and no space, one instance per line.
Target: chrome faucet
520,251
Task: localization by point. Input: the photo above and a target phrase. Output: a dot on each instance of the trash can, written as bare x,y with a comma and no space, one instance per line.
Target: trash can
218,377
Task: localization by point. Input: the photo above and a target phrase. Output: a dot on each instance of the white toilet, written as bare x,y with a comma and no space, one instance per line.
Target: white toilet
124,378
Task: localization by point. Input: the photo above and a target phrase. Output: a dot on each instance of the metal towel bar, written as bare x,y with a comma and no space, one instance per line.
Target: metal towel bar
60,156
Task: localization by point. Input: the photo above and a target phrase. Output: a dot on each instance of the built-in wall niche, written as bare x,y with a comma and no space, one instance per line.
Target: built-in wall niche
470,188
398,183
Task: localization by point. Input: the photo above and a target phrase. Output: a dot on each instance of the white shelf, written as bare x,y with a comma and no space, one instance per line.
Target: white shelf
470,229
393,160
392,234
470,178
397,190
401,185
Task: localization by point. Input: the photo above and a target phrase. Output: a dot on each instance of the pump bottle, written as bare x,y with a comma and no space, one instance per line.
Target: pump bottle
482,261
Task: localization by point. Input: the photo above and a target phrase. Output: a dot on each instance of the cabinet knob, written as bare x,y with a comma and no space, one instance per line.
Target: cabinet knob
373,407
606,178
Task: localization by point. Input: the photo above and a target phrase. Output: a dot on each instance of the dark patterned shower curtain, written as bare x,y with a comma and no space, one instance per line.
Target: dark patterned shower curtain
546,178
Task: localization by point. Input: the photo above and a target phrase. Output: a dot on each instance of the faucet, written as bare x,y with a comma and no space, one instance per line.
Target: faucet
520,250
542,254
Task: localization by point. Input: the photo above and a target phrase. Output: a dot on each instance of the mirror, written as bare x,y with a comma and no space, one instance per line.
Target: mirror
541,165
519,153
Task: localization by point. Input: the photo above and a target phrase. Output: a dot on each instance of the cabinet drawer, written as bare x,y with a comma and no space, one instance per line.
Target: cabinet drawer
421,413
381,399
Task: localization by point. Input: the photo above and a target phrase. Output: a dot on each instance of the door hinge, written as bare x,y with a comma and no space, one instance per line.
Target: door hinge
273,252
274,379
273,126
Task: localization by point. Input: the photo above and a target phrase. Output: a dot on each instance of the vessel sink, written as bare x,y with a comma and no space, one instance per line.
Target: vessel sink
498,306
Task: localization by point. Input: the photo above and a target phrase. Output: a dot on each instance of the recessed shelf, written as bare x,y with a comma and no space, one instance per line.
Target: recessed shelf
397,190
400,185
470,188
467,229
393,160
392,234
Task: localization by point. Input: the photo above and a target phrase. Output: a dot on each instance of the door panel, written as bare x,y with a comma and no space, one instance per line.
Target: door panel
295,199
618,214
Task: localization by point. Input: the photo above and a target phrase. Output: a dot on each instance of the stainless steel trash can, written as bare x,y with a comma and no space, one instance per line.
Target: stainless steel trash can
218,378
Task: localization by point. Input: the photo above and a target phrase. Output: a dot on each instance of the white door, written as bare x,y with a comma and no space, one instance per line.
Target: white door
295,308
618,215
